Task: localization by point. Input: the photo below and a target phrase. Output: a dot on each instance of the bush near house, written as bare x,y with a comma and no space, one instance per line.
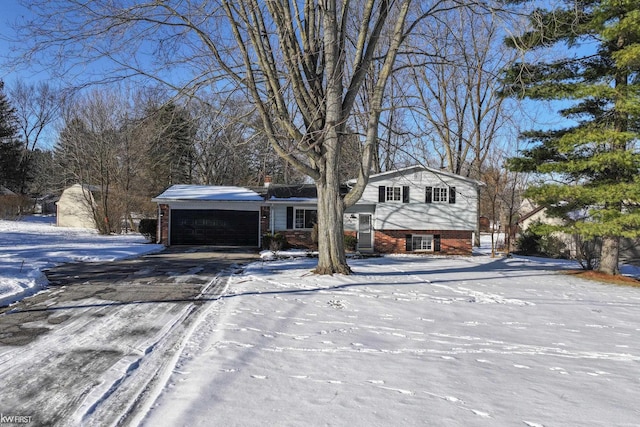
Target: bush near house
148,228
532,243
350,242
274,242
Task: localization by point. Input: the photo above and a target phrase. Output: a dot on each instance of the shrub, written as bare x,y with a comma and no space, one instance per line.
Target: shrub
588,252
274,242
529,243
14,206
148,228
532,243
350,242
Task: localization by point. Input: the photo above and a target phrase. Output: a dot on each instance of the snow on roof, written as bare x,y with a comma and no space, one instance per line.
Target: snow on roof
209,192
294,199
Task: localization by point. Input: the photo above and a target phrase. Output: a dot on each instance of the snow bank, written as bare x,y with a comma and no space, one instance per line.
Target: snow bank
29,246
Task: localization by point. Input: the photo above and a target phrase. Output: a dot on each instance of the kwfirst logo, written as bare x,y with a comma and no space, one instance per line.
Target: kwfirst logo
15,419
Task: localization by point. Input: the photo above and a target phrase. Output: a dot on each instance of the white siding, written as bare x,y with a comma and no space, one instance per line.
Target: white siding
424,216
418,215
279,214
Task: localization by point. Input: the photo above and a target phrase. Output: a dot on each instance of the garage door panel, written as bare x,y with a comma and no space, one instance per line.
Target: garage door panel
214,227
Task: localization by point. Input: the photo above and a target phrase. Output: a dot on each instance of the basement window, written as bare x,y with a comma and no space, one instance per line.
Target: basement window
422,242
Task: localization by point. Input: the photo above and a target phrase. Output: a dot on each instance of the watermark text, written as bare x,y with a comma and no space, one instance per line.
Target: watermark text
15,419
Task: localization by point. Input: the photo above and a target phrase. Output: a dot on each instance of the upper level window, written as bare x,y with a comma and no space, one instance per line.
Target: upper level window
440,194
394,194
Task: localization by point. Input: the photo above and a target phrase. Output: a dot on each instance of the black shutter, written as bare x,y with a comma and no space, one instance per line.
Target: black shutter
429,195
452,194
436,243
382,194
408,243
405,194
289,217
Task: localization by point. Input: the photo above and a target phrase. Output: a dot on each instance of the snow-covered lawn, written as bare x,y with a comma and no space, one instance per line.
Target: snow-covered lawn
436,341
411,341
29,246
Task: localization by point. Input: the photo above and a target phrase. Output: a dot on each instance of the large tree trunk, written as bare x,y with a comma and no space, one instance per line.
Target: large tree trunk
609,255
476,234
331,254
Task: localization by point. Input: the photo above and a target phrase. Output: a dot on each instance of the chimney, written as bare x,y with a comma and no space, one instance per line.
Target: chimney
267,181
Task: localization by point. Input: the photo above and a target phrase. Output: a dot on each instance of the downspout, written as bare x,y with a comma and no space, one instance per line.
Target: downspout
159,226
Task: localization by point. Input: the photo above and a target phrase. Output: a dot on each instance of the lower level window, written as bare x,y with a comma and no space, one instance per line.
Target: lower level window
305,218
422,242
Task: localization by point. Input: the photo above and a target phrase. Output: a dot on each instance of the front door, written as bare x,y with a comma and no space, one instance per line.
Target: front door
365,232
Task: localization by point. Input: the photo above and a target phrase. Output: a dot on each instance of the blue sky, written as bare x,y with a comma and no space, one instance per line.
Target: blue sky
11,11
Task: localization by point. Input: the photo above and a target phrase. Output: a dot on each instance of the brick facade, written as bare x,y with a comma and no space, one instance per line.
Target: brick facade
163,236
452,242
299,239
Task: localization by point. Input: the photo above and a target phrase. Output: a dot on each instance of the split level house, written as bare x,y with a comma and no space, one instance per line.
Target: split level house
415,209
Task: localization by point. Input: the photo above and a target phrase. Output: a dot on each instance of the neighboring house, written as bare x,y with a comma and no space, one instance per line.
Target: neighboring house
415,209
531,213
46,205
74,208
10,203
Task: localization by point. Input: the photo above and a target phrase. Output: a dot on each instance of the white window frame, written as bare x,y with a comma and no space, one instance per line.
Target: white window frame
440,194
296,217
393,194
426,242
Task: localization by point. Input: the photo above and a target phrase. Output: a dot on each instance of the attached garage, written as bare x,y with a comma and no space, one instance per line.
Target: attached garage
214,227
209,215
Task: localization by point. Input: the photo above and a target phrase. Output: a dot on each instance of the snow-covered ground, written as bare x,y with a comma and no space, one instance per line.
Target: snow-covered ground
27,247
406,340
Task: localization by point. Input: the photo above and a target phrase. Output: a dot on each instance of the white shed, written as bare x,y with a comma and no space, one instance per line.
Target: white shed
74,209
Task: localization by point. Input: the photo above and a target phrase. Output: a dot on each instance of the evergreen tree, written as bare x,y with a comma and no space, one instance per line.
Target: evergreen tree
594,162
170,134
10,145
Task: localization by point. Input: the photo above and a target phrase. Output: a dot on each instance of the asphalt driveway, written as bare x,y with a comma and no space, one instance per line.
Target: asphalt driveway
88,347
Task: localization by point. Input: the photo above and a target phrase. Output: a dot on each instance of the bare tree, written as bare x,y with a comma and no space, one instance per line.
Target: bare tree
459,106
37,108
502,196
300,63
90,151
